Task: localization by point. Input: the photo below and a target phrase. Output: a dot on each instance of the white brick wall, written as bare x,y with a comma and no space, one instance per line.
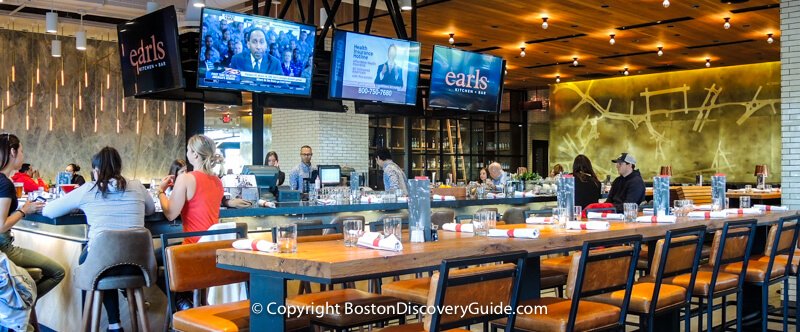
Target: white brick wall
790,103
336,138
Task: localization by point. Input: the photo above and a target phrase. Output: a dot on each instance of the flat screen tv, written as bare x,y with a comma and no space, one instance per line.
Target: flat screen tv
466,81
254,53
149,54
371,68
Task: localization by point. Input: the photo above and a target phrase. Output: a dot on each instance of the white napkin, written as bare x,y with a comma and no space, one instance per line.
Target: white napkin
371,199
496,195
742,212
326,201
259,245
706,215
589,225
456,227
402,199
443,198
528,233
605,215
376,240
657,219
540,220
521,194
770,207
702,207
265,203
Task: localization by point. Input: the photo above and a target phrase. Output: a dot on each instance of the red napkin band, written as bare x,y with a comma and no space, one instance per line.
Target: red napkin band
605,214
654,219
583,226
376,242
708,215
458,227
254,245
740,212
768,208
510,233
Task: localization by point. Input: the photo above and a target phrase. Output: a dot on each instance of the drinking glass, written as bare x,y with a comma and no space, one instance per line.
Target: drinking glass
631,211
393,226
481,191
491,219
768,187
18,188
560,217
748,188
744,202
576,213
479,224
683,207
287,238
352,231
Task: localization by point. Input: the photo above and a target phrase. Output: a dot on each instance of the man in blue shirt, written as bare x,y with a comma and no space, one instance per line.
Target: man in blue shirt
497,175
303,170
393,176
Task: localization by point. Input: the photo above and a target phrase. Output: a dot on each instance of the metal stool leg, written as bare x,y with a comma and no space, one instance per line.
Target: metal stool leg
142,312
87,310
96,308
132,309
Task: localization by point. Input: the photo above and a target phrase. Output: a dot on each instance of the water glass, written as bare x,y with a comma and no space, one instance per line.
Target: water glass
768,187
491,219
576,213
683,207
631,211
744,202
352,231
479,224
287,238
560,217
748,188
393,226
481,191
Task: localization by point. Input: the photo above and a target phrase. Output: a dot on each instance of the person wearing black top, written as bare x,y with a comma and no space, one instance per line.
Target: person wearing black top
272,160
11,158
629,186
76,178
587,186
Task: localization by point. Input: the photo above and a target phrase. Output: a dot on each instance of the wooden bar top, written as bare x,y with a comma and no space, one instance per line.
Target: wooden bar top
754,195
333,262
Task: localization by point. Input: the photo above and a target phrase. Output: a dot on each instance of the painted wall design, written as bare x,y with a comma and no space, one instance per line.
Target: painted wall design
66,117
700,122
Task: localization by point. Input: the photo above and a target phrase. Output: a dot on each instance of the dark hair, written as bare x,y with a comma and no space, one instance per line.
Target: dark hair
582,169
176,166
8,142
24,168
306,147
271,153
75,168
108,164
249,32
383,153
558,169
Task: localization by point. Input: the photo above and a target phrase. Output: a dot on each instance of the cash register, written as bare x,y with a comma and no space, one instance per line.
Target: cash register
266,179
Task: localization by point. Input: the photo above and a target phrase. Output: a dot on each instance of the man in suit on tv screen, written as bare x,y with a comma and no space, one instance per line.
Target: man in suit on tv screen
256,59
389,73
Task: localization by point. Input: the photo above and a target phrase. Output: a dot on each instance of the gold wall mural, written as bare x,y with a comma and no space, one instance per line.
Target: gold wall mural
698,121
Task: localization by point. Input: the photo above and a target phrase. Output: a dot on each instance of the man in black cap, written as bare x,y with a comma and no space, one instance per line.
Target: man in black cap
629,186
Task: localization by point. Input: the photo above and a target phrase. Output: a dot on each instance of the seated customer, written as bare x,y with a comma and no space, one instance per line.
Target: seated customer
557,170
628,187
30,178
587,185
110,203
272,160
76,178
498,176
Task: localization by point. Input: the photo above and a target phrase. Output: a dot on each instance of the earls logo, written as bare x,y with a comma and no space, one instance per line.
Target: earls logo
467,83
149,56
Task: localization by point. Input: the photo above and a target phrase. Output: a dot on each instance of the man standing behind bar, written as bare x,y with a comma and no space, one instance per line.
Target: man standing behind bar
393,176
629,186
499,177
303,170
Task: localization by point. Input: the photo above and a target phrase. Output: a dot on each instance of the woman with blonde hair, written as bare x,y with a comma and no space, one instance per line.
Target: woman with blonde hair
196,195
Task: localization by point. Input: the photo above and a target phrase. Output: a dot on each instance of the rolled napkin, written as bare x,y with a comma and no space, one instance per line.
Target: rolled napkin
326,201
265,203
456,227
605,215
702,207
589,225
257,245
402,199
521,194
443,198
495,195
371,199
528,233
770,207
657,219
742,212
540,220
375,240
707,215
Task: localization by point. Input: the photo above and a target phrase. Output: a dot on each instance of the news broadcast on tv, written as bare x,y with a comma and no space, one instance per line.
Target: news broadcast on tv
373,68
255,53
465,80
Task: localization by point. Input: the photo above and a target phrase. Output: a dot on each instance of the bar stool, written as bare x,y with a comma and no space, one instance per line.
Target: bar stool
731,245
460,282
442,217
131,248
594,271
670,260
766,270
514,215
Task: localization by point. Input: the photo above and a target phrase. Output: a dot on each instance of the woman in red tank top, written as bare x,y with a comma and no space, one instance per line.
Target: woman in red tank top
196,196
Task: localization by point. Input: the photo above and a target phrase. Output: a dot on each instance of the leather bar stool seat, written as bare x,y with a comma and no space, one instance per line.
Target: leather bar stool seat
591,315
550,278
233,316
642,297
644,255
702,284
560,264
410,290
318,301
781,260
757,269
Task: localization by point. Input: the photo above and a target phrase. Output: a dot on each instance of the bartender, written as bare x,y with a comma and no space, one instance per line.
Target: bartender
498,176
393,176
303,170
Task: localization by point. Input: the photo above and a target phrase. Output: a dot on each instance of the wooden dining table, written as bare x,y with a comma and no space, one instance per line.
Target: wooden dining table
331,262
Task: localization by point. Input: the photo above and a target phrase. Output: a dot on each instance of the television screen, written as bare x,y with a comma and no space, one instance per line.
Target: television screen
365,67
465,80
149,53
254,53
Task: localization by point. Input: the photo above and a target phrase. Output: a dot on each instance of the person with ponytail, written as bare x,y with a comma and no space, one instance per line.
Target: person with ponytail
11,159
110,203
196,195
76,178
